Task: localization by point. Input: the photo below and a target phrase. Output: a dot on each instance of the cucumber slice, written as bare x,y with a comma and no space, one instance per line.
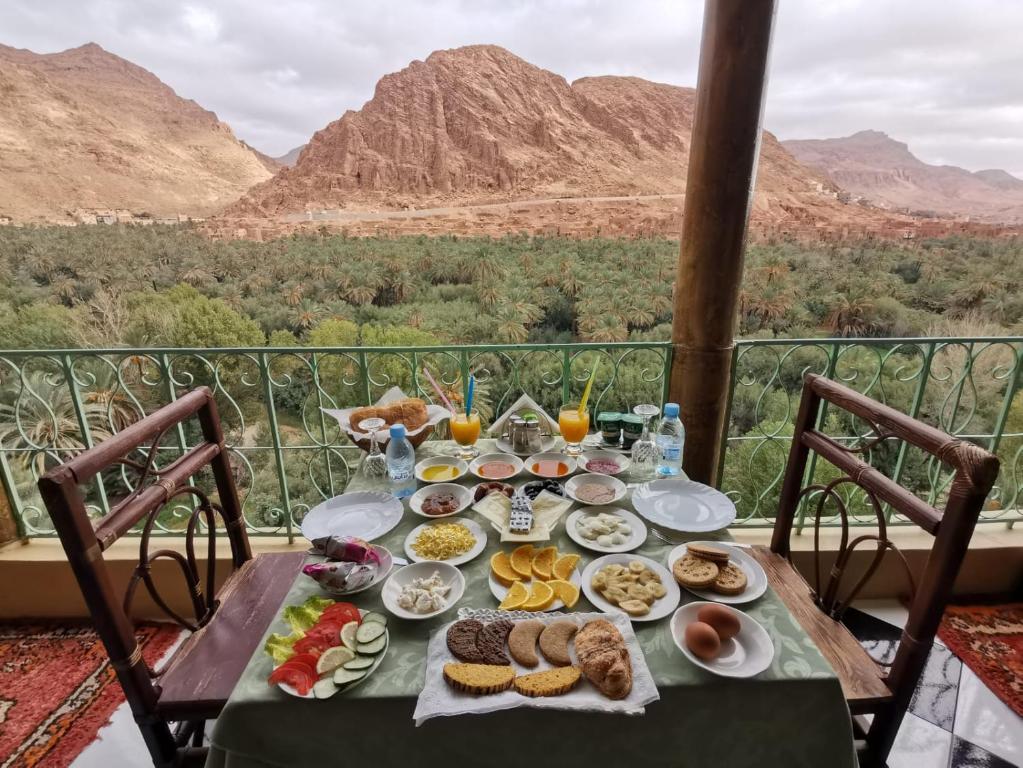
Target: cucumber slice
374,618
348,632
360,662
372,647
343,676
324,689
369,632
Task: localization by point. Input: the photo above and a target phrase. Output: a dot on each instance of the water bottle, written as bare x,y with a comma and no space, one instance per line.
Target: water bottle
670,437
401,463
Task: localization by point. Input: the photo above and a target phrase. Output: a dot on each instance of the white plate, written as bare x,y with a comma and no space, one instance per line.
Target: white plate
755,577
546,444
441,461
386,566
507,458
376,663
616,485
549,456
747,654
623,462
364,514
460,492
637,537
683,505
658,610
474,528
500,591
448,573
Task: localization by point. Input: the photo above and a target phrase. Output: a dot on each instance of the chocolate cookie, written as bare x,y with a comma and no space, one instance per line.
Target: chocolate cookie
462,640
491,640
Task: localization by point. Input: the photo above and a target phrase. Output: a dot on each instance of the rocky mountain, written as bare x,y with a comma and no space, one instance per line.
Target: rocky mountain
289,158
883,171
480,125
85,129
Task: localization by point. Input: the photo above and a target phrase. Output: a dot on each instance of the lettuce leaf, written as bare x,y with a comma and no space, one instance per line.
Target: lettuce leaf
281,647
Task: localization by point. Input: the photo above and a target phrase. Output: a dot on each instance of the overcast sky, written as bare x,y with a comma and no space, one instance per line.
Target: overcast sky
946,77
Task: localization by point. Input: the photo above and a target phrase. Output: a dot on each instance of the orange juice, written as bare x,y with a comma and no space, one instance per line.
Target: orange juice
465,429
574,425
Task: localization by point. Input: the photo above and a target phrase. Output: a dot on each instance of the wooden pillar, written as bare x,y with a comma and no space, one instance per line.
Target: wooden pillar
719,192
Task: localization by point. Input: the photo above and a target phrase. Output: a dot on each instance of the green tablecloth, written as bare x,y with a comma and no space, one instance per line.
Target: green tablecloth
791,715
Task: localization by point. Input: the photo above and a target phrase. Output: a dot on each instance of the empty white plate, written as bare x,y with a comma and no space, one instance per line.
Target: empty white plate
474,528
747,654
364,514
756,579
680,504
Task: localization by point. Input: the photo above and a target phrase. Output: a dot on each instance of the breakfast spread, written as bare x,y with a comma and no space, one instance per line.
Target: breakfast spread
714,625
606,529
633,587
604,658
440,473
440,503
548,572
424,595
522,642
705,566
554,642
594,493
410,411
550,682
485,489
443,541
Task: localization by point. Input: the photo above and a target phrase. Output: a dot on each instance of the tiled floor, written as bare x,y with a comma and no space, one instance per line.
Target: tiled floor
954,720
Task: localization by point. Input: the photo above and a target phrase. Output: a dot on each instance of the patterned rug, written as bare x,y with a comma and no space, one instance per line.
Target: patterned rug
57,689
989,638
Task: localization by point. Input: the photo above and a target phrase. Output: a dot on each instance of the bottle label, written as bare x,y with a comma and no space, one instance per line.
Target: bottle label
671,452
401,475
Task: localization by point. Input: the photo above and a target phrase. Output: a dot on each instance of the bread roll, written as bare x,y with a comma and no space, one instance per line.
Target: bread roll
410,411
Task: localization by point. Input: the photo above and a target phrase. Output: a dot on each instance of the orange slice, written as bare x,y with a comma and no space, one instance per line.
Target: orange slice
543,561
564,566
540,598
516,597
520,560
565,591
501,567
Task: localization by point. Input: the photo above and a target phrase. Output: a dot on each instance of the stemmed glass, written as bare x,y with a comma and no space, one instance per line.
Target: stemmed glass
375,463
574,425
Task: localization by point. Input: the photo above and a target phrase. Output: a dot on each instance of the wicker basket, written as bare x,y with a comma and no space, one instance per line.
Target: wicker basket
417,439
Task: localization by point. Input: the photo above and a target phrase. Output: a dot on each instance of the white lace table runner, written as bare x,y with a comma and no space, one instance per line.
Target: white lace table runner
438,699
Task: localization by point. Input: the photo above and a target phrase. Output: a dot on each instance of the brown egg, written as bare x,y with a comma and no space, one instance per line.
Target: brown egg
703,641
724,621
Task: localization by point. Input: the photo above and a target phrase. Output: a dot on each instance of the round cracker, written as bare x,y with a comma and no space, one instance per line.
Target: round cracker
690,571
731,581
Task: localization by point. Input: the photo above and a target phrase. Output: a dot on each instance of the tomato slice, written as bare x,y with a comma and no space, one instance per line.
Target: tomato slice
344,612
313,645
309,659
328,632
330,625
309,669
294,676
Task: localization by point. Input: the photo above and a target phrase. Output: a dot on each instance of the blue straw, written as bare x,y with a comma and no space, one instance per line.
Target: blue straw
468,398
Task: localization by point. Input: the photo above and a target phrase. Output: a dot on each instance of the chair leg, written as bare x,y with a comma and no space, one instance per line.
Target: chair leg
882,733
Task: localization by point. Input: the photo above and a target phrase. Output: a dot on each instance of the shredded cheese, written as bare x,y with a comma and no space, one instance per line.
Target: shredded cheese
444,541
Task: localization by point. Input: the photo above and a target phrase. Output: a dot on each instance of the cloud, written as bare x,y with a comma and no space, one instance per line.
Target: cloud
943,77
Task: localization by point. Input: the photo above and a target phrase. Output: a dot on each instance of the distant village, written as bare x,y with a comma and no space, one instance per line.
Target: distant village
106,216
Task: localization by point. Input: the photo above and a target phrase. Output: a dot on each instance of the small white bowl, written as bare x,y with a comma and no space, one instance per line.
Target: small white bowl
616,485
460,492
621,460
441,461
562,457
504,458
403,576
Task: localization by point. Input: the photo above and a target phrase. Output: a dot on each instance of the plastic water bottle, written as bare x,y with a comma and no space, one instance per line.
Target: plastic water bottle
671,436
401,462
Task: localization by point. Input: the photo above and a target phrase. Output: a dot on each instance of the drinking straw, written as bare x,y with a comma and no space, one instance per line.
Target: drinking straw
468,397
589,386
437,389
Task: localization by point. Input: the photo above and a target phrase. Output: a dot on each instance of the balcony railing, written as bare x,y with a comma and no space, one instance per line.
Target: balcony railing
288,456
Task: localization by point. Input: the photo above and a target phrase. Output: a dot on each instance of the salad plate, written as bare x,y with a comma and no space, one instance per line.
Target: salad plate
363,514
683,505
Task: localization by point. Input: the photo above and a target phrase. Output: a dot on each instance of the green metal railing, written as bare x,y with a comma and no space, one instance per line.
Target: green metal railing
288,456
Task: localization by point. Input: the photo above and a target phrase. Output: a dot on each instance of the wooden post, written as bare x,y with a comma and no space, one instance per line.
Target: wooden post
719,191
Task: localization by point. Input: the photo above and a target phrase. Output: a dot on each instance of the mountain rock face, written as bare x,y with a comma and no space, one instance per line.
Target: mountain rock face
477,125
289,158
883,171
85,129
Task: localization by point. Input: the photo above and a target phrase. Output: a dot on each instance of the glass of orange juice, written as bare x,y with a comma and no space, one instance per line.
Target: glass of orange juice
465,429
574,426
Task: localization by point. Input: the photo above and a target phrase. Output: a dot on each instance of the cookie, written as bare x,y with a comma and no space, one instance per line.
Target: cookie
462,640
550,682
731,581
708,552
690,571
491,640
554,642
479,679
522,642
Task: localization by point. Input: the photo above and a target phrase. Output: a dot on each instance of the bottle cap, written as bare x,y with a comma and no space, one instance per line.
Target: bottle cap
671,410
397,431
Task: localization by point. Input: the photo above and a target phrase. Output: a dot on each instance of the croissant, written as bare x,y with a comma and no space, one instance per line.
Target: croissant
604,658
410,411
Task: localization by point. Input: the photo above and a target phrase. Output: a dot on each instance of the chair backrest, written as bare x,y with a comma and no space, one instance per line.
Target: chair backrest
975,471
136,448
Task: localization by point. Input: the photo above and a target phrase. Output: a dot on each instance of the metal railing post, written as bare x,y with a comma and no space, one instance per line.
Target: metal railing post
275,435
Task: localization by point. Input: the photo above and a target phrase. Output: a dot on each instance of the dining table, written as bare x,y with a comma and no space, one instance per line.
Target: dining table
790,715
